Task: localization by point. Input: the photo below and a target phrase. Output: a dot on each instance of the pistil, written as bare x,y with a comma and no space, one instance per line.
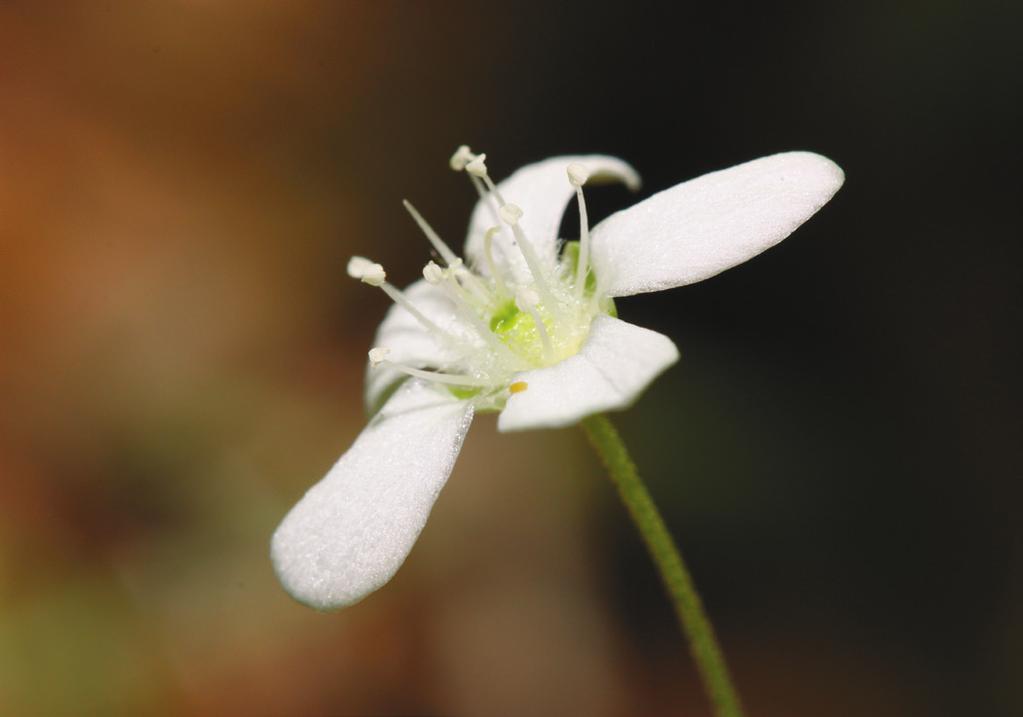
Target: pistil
526,300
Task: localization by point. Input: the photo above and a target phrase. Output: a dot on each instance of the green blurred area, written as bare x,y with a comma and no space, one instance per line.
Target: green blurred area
181,356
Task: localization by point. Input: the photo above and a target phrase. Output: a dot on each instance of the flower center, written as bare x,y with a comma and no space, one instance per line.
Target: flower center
498,323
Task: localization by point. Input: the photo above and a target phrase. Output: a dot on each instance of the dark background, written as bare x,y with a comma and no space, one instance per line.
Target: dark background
837,452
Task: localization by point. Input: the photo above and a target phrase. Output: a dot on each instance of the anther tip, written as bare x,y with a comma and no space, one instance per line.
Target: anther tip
359,267
378,355
433,273
577,174
462,156
526,298
510,213
478,166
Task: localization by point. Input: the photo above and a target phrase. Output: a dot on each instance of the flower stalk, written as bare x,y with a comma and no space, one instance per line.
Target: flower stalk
703,644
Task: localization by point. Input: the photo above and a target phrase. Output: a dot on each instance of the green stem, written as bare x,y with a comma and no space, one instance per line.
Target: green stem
702,642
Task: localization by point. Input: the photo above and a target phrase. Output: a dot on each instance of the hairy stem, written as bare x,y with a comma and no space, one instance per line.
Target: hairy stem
703,644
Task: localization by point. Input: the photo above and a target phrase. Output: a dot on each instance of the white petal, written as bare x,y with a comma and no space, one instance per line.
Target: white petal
617,362
353,529
706,225
408,341
542,191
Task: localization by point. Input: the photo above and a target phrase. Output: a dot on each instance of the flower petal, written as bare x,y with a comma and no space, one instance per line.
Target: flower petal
542,191
706,225
349,534
408,341
617,362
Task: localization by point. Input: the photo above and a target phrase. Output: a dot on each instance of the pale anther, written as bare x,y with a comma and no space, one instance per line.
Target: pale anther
477,166
577,174
510,213
367,271
462,156
378,355
526,299
433,273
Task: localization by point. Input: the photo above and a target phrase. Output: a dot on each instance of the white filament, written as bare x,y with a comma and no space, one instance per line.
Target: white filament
443,249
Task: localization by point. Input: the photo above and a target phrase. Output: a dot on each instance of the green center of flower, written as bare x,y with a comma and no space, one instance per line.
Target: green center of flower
518,330
501,322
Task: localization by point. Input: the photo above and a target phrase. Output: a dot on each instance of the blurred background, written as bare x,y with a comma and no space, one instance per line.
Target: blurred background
181,357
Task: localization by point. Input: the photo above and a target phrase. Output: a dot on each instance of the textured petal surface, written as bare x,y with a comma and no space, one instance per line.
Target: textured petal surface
349,534
542,191
706,225
408,341
614,366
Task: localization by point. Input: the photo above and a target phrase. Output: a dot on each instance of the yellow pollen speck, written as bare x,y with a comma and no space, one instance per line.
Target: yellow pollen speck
518,387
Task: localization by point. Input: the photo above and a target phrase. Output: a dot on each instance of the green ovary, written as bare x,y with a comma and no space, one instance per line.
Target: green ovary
518,331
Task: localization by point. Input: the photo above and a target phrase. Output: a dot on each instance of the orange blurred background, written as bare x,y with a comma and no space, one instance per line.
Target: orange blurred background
181,356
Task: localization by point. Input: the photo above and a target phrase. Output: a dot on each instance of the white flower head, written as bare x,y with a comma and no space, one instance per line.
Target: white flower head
527,327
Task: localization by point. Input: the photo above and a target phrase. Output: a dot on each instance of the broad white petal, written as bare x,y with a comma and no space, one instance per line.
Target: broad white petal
353,529
617,362
542,191
408,341
706,225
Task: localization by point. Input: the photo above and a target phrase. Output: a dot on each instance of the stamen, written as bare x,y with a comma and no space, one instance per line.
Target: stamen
367,271
577,176
443,249
518,387
373,274
488,257
400,299
511,214
526,300
475,286
488,200
462,156
463,302
433,273
452,379
485,197
378,355
462,159
478,168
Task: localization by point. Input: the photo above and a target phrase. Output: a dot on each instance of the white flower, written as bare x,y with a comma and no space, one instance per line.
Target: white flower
526,328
